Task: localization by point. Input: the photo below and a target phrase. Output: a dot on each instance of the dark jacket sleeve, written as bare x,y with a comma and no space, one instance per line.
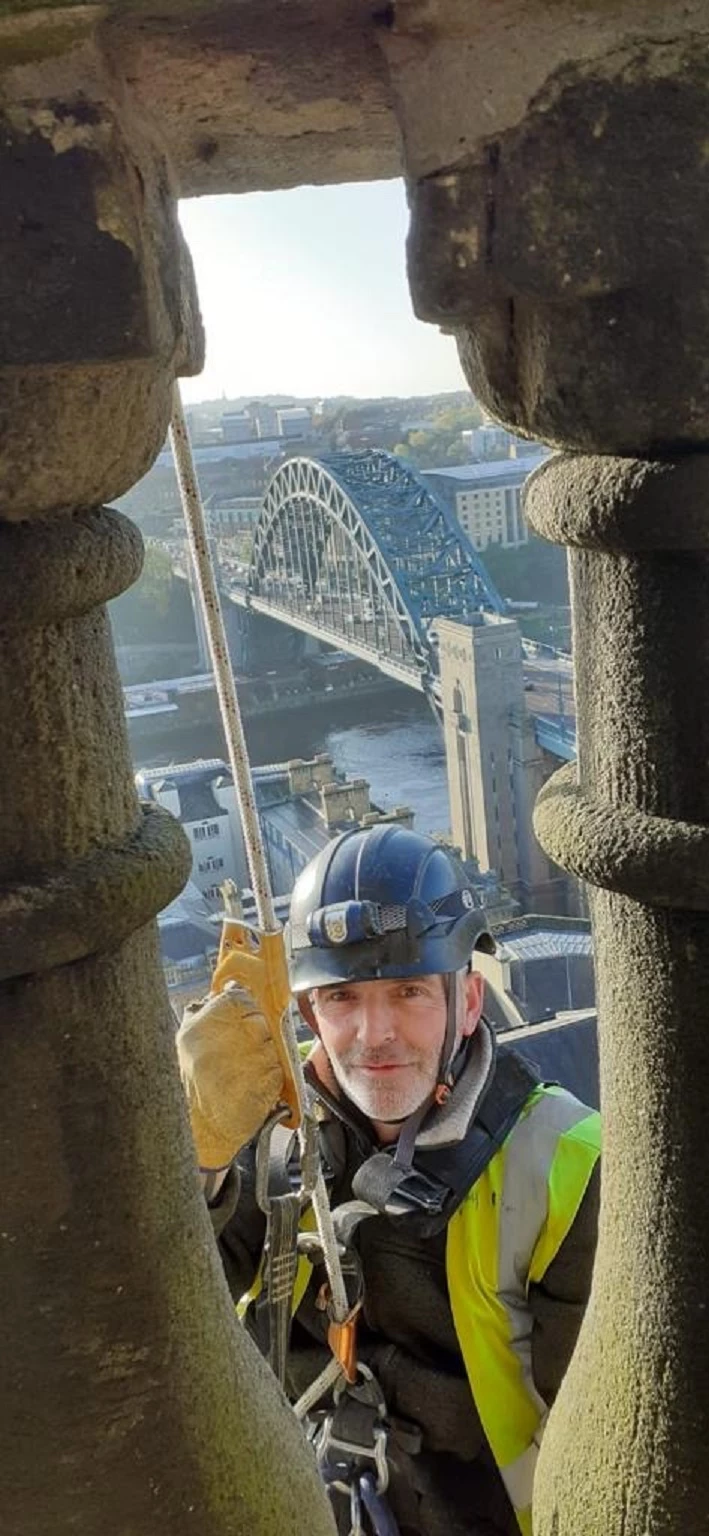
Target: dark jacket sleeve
559,1300
239,1225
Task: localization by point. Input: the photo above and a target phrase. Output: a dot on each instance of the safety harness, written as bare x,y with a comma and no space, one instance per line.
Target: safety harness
350,1437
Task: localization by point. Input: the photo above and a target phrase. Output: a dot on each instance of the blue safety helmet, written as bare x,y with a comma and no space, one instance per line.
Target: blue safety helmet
382,902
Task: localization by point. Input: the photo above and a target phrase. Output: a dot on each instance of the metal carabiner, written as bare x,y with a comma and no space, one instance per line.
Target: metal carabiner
380,1459
377,1508
263,1157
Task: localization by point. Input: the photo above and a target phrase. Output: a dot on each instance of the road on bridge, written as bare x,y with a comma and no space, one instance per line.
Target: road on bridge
549,690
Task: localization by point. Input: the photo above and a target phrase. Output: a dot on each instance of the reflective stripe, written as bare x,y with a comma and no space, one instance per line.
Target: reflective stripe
519,1477
530,1153
501,1239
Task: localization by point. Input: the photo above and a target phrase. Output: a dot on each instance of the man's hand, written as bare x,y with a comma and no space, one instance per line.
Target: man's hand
230,1071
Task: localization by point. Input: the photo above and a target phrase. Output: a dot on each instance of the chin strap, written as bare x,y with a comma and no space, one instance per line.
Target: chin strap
404,1155
446,1079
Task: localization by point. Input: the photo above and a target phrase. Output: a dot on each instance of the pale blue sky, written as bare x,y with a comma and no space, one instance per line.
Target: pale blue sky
305,293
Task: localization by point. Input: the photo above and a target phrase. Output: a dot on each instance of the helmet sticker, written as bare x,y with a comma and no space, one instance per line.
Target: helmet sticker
335,925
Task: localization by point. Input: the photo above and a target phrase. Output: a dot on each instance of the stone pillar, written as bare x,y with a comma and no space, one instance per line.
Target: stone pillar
560,213
129,1398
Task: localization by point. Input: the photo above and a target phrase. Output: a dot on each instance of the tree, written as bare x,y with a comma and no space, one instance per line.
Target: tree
155,584
158,608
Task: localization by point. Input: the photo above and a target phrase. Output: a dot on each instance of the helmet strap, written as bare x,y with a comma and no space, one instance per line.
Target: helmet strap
445,1064
406,1145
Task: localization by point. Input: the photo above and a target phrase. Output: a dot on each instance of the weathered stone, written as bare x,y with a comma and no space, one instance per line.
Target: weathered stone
564,245
89,348
636,825
556,159
246,96
130,1399
622,504
558,335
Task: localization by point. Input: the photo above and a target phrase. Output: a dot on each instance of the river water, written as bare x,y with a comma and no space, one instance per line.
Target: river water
392,741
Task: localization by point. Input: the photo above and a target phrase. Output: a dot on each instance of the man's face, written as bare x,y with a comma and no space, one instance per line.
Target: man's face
384,1038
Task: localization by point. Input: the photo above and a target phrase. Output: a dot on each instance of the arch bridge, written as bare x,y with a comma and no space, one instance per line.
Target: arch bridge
356,550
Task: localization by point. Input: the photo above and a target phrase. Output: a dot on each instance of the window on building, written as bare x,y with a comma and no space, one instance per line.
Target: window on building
210,829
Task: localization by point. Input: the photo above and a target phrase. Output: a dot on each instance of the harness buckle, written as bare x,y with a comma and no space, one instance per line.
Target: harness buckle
354,1432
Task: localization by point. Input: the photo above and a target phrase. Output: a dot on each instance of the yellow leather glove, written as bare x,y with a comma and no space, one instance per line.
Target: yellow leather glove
231,1073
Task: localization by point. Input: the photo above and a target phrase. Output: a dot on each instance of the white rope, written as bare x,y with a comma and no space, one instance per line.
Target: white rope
241,772
319,1388
223,676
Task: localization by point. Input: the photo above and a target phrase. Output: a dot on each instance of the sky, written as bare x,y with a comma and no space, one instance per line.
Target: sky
305,293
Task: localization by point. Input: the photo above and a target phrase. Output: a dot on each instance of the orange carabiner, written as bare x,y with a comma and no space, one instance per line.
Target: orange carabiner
342,1338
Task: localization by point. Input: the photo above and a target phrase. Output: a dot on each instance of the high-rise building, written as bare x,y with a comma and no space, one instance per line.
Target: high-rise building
237,427
487,498
294,421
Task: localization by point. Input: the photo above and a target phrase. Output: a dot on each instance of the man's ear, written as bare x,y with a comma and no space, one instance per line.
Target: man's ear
306,1011
473,997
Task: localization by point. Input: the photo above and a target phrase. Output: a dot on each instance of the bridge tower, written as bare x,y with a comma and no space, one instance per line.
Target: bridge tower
494,765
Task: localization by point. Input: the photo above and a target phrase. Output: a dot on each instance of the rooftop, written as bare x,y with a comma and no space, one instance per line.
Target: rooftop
300,822
213,453
495,472
184,773
542,943
544,966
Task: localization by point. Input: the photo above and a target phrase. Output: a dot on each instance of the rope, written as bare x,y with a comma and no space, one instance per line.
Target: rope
239,763
320,1387
223,676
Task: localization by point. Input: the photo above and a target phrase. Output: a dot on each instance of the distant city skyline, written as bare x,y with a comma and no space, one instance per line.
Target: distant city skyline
305,293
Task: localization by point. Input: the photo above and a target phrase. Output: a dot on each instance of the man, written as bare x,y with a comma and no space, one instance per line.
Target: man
478,1186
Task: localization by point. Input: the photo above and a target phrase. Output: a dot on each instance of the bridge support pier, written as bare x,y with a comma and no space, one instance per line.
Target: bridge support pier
129,1398
563,239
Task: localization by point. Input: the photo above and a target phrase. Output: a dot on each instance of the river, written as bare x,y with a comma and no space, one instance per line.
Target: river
393,742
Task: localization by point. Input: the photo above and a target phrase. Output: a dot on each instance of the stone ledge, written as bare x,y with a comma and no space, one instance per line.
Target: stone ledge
598,502
61,568
96,902
651,859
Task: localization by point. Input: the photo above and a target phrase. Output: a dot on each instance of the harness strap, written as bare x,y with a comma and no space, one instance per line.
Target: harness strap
278,1196
275,1303
440,1177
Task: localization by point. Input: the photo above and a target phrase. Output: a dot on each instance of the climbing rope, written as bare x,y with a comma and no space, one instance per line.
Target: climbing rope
282,1027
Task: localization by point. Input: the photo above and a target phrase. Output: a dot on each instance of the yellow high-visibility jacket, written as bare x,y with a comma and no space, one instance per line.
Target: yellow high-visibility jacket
500,1241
